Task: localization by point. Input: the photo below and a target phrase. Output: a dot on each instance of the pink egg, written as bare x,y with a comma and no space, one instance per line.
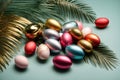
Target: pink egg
21,61
43,52
66,39
80,25
86,30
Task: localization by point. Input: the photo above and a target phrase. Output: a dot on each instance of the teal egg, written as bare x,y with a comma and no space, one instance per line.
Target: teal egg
74,52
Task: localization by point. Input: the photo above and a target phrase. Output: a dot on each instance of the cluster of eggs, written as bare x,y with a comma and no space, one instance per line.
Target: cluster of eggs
71,38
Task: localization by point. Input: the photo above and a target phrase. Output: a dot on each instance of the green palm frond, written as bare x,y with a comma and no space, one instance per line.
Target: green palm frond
73,10
103,57
34,10
11,30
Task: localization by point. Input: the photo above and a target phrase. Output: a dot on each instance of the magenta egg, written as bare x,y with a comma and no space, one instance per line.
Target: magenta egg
62,62
80,25
66,39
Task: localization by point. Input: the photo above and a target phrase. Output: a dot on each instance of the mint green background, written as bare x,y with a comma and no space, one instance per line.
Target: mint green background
39,70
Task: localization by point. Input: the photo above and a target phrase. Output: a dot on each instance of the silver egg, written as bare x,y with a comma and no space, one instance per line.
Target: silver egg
53,45
50,33
69,25
74,52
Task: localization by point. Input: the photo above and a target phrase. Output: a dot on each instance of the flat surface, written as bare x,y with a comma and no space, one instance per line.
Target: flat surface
39,70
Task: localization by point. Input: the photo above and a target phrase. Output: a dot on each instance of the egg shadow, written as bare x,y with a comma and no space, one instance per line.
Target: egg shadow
41,61
29,55
77,61
61,70
101,28
19,69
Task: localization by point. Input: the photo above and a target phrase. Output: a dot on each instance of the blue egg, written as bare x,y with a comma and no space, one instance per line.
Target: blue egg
74,52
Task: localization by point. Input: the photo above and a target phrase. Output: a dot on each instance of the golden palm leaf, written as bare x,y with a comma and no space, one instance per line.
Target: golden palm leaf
11,30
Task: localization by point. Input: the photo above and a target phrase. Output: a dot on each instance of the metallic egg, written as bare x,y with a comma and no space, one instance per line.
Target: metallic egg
62,62
69,25
50,33
93,39
53,24
43,52
66,39
86,30
80,25
85,45
76,33
74,52
53,45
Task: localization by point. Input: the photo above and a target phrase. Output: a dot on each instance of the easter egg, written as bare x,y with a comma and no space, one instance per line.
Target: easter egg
33,30
85,45
101,22
86,30
69,25
80,25
30,48
93,39
74,52
43,52
50,33
62,62
21,61
53,24
66,39
53,45
76,33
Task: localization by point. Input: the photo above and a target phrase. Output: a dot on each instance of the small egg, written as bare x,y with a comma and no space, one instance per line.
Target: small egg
80,25
50,33
43,52
66,39
86,30
62,62
53,45
69,25
53,24
74,52
21,61
101,22
30,48
93,39
85,45
76,33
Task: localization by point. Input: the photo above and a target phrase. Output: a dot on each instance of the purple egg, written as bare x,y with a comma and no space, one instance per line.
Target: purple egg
62,62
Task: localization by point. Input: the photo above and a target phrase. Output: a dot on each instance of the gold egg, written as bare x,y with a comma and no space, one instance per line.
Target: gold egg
85,45
33,30
76,33
53,24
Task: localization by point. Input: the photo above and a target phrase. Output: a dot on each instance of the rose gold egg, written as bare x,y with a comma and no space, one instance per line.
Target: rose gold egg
76,33
53,24
80,25
93,39
85,45
43,52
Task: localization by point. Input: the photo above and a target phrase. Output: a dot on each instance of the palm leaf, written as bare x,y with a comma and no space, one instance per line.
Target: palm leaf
11,30
73,10
103,57
34,10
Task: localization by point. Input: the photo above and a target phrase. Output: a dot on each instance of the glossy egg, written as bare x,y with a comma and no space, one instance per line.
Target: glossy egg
66,39
86,30
69,25
53,45
76,33
21,61
43,52
80,25
30,48
93,39
53,24
62,62
101,22
85,45
33,30
50,33
74,52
